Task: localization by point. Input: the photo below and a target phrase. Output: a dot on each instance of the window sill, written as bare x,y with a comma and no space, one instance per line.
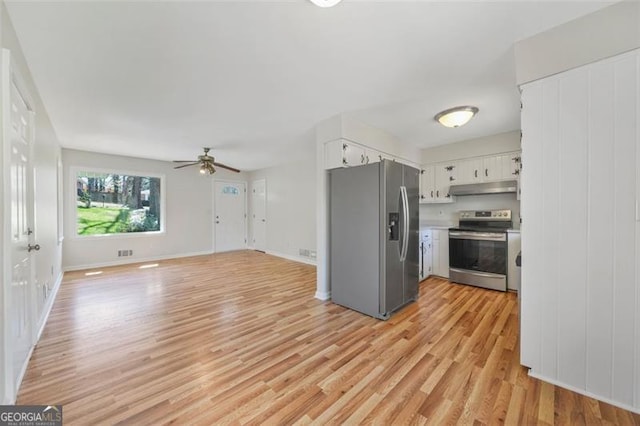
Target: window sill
122,236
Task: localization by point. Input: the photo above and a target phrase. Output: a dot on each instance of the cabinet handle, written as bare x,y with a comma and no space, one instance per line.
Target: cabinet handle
380,157
486,172
422,197
475,172
344,146
451,178
367,159
361,158
431,194
344,161
437,194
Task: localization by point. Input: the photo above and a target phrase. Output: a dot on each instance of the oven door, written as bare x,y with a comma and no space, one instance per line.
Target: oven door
478,258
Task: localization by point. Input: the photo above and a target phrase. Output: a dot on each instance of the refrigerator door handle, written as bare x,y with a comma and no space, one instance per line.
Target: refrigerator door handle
405,217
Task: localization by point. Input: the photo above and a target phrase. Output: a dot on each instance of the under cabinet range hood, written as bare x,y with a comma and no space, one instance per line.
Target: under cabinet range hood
504,187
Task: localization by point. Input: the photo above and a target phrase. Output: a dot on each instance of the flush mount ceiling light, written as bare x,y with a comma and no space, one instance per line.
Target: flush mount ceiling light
325,3
456,117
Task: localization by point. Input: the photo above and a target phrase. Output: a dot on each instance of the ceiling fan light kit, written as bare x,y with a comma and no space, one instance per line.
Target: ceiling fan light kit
206,163
456,117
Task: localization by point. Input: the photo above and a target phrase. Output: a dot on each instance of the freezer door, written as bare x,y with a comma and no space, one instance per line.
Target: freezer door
354,238
392,237
411,179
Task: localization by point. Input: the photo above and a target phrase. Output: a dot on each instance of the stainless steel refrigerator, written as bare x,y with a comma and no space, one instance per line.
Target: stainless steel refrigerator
374,237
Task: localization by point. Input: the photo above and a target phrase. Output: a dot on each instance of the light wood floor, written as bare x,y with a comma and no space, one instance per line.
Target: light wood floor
239,338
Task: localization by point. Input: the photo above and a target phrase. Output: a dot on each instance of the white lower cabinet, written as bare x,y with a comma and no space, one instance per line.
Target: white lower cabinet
441,252
426,254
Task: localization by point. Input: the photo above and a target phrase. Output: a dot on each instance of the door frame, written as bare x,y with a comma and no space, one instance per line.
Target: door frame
253,230
246,210
10,74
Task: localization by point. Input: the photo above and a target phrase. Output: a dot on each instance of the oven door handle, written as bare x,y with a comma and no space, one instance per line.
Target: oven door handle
480,236
476,273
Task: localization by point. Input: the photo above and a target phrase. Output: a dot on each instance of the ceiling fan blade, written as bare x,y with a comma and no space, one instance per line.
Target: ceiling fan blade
184,161
223,166
187,165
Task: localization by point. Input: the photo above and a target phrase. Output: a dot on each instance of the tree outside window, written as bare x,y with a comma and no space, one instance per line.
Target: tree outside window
112,203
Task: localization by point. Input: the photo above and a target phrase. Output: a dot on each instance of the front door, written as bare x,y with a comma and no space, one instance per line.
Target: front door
21,309
230,216
259,206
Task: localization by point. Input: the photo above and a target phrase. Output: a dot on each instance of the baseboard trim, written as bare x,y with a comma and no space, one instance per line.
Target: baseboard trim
323,295
23,371
584,392
138,260
291,257
47,309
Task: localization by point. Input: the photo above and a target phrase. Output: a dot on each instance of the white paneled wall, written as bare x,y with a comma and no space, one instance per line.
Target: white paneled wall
580,241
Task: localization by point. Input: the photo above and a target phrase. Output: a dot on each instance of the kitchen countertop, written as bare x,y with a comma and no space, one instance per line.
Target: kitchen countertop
436,225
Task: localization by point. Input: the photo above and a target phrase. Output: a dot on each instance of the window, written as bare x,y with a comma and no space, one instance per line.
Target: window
117,203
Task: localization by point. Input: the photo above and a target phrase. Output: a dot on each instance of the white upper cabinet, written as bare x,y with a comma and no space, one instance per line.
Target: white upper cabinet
446,174
427,185
343,153
501,167
435,181
470,170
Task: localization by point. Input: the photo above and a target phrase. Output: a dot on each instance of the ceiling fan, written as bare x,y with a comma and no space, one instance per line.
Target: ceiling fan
206,163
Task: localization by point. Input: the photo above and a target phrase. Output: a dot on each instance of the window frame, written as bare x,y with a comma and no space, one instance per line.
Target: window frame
73,175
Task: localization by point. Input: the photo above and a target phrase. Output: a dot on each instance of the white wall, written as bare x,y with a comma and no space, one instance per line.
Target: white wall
188,210
488,145
291,208
602,34
46,152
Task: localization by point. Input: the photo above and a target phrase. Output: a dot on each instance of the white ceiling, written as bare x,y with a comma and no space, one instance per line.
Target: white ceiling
251,79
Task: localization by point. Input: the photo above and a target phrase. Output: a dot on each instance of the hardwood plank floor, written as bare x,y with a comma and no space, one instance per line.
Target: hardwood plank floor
239,338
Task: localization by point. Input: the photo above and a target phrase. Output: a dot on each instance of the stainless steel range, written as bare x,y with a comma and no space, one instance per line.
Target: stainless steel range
478,249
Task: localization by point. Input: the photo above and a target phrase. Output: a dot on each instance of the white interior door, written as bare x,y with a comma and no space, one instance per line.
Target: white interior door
21,295
259,217
230,216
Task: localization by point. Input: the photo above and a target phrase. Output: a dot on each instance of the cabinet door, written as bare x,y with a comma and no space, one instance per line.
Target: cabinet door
427,190
372,156
469,171
445,174
353,155
492,168
443,256
436,256
512,166
428,258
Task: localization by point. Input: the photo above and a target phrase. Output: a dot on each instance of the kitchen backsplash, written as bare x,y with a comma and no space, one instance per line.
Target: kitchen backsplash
448,213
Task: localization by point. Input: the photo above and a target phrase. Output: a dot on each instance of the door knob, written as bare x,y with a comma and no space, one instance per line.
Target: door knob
34,247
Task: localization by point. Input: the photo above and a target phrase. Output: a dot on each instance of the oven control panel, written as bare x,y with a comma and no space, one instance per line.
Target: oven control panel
485,215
